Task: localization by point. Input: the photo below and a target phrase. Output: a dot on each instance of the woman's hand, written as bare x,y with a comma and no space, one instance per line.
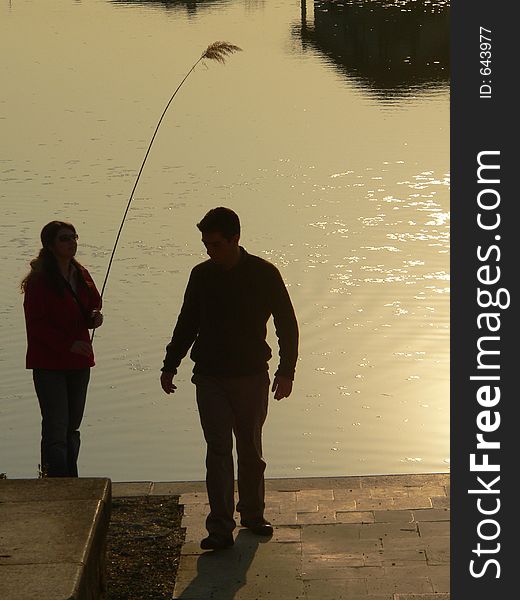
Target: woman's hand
96,319
81,347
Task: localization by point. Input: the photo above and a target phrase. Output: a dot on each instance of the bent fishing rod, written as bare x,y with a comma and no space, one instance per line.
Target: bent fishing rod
216,51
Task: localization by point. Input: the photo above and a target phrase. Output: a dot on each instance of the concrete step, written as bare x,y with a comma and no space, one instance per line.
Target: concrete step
53,538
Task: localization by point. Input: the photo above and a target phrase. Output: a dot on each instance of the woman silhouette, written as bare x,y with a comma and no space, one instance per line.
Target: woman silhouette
61,304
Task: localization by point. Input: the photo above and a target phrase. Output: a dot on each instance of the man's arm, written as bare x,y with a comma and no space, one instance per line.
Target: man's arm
183,335
286,328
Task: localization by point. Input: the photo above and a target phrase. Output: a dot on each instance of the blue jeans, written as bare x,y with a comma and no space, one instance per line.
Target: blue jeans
62,395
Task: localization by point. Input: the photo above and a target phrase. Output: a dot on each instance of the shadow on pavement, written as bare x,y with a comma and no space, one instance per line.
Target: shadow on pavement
221,574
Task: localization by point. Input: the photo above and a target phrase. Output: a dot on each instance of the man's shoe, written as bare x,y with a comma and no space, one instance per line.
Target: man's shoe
263,528
217,542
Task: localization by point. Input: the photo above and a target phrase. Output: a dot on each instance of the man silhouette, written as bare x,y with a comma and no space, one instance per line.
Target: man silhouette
227,303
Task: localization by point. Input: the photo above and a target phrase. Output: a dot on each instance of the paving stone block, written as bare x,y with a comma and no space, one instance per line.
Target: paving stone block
192,548
404,543
287,534
240,572
440,578
324,572
403,556
196,520
411,480
204,586
287,507
266,547
373,559
431,490
306,506
389,585
437,542
283,518
196,511
409,571
438,555
393,516
272,507
354,517
267,588
320,505
328,516
412,502
434,529
195,533
343,505
335,589
327,504
382,531
176,488
132,488
440,502
323,483
194,498
350,494
215,564
280,496
285,568
384,492
343,532
431,514
335,560
314,495
421,597
374,504
188,564
396,557
290,484
376,597
339,544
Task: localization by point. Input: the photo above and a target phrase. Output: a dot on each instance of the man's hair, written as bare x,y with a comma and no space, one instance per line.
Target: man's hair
220,220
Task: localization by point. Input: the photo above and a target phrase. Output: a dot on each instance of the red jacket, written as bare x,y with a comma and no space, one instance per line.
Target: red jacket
55,321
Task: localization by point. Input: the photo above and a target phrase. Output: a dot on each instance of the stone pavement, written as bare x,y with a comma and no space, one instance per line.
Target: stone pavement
351,538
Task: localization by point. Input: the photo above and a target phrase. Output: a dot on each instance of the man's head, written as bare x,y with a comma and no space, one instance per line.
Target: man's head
220,230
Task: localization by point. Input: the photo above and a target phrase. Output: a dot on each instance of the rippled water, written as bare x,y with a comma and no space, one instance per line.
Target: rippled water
328,134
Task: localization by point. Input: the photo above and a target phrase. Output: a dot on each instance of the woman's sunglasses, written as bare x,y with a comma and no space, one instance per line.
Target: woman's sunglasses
68,237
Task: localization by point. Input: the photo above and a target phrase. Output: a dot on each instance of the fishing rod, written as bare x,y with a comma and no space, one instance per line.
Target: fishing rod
216,51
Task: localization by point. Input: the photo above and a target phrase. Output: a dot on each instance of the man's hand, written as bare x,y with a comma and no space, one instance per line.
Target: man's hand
167,382
282,387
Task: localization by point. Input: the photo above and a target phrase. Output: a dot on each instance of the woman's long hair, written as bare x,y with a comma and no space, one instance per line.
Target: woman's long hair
45,263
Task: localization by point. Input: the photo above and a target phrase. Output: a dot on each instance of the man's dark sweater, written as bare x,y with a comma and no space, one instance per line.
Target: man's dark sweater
225,312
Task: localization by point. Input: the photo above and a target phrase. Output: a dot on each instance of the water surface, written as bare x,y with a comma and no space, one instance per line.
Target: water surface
328,134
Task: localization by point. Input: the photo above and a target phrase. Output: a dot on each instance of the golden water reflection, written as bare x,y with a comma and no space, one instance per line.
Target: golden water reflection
340,177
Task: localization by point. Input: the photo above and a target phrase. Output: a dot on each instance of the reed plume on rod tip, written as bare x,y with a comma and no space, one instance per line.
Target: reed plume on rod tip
217,51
